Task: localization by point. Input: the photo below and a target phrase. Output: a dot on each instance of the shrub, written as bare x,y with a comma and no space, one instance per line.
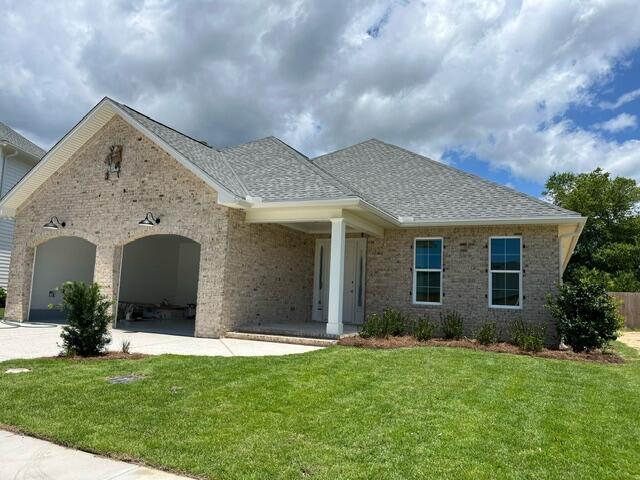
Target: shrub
451,323
423,329
391,323
86,309
527,336
126,346
3,297
586,316
487,333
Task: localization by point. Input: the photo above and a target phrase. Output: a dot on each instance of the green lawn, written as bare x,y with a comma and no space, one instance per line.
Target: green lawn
343,413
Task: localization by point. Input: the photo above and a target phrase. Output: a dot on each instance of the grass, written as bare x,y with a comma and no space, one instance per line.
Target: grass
342,413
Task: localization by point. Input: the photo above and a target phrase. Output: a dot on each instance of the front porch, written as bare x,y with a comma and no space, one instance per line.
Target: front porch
339,239
297,329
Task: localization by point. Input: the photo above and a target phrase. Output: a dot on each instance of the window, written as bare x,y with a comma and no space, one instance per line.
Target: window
505,272
427,271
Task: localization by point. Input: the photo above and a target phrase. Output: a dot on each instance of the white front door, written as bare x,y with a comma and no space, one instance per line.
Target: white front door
354,280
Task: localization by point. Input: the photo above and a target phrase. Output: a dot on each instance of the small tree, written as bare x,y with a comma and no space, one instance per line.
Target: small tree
586,315
86,333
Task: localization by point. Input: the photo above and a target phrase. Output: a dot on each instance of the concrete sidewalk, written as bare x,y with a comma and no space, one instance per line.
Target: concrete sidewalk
37,340
27,458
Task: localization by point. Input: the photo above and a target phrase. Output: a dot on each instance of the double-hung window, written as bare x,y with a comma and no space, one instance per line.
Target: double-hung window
427,271
505,272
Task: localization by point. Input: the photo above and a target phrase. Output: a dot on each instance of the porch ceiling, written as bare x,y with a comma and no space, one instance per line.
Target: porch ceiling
318,220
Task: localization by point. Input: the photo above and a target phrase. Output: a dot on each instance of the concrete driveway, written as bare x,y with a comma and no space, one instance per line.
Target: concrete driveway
42,340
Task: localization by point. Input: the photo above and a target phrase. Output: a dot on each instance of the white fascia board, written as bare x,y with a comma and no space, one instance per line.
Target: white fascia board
339,203
228,197
5,203
496,221
31,156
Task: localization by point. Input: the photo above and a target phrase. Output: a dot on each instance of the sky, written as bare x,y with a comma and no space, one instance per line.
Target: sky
511,91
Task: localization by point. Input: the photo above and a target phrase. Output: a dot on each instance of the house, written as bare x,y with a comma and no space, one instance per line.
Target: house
18,155
257,237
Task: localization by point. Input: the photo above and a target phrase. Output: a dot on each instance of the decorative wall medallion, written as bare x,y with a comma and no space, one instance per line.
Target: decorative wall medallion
113,161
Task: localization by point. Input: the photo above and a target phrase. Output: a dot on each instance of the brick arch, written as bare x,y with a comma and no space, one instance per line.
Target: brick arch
143,232
40,238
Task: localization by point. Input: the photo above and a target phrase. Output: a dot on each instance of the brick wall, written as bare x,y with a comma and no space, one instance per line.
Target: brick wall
248,273
244,269
465,279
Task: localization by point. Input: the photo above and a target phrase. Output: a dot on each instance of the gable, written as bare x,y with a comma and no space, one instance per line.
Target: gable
150,180
79,135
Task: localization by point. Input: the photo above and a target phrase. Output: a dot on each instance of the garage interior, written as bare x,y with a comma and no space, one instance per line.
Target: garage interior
159,285
57,261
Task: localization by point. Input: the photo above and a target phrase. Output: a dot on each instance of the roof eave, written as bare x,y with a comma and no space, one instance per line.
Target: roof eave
547,220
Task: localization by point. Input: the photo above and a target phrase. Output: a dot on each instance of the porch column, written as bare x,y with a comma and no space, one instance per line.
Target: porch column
336,276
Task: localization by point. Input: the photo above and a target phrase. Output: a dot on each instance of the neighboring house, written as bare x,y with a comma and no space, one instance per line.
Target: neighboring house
18,155
249,237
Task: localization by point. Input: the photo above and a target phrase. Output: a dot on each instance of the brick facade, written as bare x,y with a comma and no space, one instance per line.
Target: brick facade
235,258
465,276
248,273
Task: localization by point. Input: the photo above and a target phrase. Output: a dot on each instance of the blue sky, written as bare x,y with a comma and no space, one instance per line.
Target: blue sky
624,78
511,90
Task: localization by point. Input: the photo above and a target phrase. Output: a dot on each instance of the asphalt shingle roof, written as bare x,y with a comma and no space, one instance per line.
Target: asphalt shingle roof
272,170
397,181
208,159
13,138
406,184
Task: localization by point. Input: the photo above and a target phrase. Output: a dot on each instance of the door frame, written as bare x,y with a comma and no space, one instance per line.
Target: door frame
321,273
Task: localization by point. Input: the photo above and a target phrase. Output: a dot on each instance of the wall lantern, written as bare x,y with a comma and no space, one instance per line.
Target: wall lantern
149,220
54,224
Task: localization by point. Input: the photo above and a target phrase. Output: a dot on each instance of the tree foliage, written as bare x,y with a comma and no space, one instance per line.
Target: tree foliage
610,241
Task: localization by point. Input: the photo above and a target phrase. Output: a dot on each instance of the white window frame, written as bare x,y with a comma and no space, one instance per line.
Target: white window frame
519,272
416,270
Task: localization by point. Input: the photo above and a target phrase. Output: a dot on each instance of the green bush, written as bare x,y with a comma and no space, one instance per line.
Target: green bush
487,333
451,323
586,316
527,336
86,309
423,329
3,297
392,323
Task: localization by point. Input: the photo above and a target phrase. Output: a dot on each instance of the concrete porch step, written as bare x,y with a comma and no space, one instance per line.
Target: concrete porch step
266,337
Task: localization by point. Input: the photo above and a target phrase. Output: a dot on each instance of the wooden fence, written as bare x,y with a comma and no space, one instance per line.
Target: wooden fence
630,308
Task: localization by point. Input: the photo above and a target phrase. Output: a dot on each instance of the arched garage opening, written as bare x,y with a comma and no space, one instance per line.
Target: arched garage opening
57,261
159,285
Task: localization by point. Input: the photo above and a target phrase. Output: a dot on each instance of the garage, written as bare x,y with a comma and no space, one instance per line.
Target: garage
57,261
159,285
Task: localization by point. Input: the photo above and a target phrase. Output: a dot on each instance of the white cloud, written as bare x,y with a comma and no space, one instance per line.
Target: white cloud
485,77
622,100
618,123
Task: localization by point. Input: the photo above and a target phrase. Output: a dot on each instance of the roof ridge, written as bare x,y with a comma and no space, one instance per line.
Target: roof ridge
477,177
317,169
345,148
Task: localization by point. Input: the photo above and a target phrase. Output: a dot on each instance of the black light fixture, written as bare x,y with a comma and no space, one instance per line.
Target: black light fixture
149,220
54,224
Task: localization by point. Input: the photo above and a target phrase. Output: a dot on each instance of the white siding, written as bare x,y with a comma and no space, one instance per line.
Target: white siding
14,169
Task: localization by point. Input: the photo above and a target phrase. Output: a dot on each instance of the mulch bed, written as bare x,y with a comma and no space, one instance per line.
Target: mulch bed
106,356
407,341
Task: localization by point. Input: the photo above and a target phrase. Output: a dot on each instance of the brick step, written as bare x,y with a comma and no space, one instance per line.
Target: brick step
265,337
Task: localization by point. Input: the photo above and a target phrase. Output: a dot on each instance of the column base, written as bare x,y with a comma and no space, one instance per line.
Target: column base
334,329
